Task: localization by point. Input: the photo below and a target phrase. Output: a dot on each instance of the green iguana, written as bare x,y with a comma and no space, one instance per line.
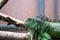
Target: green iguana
40,28
43,29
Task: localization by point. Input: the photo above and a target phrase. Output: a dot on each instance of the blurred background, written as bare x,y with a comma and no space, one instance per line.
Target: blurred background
22,9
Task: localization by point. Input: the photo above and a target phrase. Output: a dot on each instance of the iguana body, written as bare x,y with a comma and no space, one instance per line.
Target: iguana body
42,29
54,29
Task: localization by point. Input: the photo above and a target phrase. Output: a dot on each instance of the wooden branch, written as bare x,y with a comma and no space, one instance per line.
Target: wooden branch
12,28
2,3
13,35
11,20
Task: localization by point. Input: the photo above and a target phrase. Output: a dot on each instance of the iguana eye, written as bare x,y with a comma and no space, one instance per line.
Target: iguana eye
29,20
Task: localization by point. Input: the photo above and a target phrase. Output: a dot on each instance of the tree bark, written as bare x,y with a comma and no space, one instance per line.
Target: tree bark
11,20
2,3
4,35
12,35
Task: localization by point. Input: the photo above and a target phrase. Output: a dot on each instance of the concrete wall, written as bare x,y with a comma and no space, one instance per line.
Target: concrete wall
59,9
50,8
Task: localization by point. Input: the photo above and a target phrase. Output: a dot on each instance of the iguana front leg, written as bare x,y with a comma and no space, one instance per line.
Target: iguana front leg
45,36
39,36
34,35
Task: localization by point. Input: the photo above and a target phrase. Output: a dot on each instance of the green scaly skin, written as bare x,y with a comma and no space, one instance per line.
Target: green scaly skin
42,29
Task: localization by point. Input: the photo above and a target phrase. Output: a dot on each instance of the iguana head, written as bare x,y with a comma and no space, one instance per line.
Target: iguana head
34,23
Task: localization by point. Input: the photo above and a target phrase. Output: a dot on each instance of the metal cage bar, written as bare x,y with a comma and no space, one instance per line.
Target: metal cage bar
56,9
41,7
